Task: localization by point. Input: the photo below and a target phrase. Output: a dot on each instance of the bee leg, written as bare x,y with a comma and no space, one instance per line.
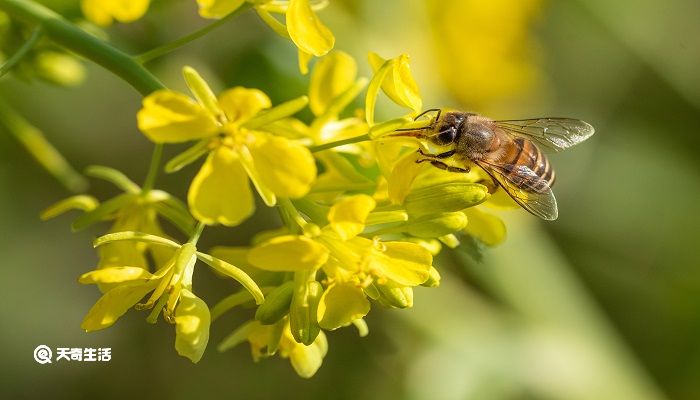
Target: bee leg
449,168
439,155
442,165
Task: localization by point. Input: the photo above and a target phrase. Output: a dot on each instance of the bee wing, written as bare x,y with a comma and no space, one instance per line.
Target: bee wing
555,133
525,187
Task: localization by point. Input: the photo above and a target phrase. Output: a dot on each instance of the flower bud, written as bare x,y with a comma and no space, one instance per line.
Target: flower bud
303,320
399,297
433,279
434,225
276,304
445,197
59,68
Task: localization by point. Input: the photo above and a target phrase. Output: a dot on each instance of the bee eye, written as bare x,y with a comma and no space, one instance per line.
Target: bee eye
446,136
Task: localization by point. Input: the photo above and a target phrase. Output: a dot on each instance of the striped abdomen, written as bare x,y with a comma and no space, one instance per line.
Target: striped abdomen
519,157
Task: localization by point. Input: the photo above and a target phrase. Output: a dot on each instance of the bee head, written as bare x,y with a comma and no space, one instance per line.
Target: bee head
448,129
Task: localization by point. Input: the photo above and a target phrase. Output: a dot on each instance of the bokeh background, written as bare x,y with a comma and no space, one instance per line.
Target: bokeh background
604,303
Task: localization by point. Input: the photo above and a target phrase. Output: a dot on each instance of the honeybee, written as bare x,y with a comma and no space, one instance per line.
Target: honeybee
506,150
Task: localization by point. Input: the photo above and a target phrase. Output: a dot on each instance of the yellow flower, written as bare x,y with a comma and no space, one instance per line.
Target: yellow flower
230,129
104,12
170,287
267,340
303,26
398,83
355,266
134,210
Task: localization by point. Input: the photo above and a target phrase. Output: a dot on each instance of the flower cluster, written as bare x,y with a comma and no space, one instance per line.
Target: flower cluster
362,218
301,24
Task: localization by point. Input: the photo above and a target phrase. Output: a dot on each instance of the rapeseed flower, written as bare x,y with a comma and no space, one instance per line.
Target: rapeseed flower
136,210
229,128
170,287
105,12
267,340
302,26
355,267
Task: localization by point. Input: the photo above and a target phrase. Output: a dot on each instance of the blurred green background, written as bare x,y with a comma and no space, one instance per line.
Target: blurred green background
604,303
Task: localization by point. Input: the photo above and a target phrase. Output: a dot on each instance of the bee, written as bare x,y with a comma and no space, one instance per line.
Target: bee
507,150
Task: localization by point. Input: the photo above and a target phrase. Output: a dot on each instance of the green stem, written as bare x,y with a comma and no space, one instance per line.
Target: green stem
337,143
197,233
19,55
153,168
40,148
175,44
292,213
75,39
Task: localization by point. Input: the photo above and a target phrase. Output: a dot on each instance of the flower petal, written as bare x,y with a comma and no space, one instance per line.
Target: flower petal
306,29
285,167
347,217
304,59
484,226
240,104
115,274
399,84
402,176
94,11
171,117
128,10
192,322
114,304
216,9
102,12
306,360
288,253
341,303
332,75
220,193
407,264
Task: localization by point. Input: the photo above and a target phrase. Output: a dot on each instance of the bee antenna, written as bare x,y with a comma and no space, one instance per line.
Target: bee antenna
413,129
427,111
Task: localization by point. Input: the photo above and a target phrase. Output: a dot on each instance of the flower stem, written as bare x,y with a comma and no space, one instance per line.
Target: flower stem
177,43
292,213
153,168
337,143
75,39
197,233
40,148
19,55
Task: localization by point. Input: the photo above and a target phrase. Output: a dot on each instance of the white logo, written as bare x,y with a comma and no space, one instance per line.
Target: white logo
42,354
